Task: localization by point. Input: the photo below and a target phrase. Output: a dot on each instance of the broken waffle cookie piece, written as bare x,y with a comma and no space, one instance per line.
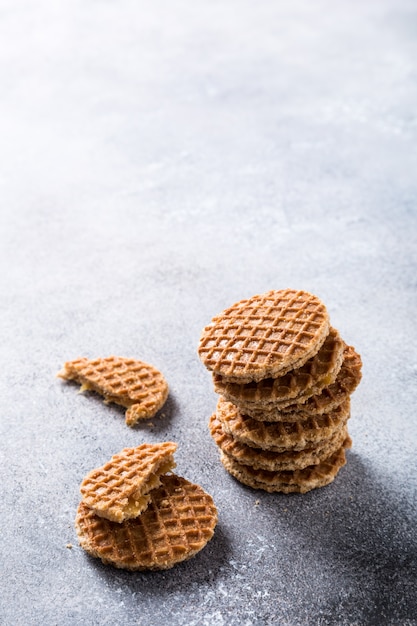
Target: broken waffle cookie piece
178,523
133,384
119,490
136,516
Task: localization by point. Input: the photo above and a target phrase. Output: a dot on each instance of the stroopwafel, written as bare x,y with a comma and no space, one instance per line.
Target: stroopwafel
133,384
298,481
178,523
274,461
120,489
280,436
295,386
264,336
328,400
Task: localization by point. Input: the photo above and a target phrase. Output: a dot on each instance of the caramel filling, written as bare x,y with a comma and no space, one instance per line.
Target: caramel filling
138,501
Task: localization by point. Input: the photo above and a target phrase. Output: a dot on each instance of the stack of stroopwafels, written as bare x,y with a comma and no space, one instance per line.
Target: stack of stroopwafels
284,377
136,516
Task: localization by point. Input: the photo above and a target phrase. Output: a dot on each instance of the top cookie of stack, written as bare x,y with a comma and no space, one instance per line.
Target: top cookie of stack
278,366
267,335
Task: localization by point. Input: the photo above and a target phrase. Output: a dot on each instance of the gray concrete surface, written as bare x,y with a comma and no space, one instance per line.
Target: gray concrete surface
158,162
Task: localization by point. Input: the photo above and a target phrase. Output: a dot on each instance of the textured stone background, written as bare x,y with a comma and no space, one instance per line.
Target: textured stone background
159,161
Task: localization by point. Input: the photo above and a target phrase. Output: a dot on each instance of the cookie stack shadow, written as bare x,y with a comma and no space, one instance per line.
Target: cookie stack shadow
284,376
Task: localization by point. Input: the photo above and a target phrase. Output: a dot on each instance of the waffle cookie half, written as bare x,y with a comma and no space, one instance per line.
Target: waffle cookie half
279,436
298,481
178,523
264,336
274,461
133,384
120,489
296,386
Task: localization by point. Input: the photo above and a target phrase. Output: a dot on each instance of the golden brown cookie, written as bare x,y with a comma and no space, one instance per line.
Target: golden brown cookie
279,436
345,384
274,461
295,386
264,336
120,489
133,384
178,523
298,481
330,398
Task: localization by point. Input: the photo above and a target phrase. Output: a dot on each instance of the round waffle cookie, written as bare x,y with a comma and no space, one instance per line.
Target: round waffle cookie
328,400
280,436
298,481
264,336
133,384
295,386
274,461
178,523
119,490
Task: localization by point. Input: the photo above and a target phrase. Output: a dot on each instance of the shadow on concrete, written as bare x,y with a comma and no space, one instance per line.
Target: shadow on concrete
364,531
162,419
159,422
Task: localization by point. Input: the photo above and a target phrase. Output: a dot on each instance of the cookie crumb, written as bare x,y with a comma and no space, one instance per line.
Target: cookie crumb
69,546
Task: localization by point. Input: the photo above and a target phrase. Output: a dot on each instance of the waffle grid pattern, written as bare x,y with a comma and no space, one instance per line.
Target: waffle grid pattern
284,377
107,489
136,385
280,435
298,481
178,522
335,394
267,334
319,371
327,400
120,376
274,461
